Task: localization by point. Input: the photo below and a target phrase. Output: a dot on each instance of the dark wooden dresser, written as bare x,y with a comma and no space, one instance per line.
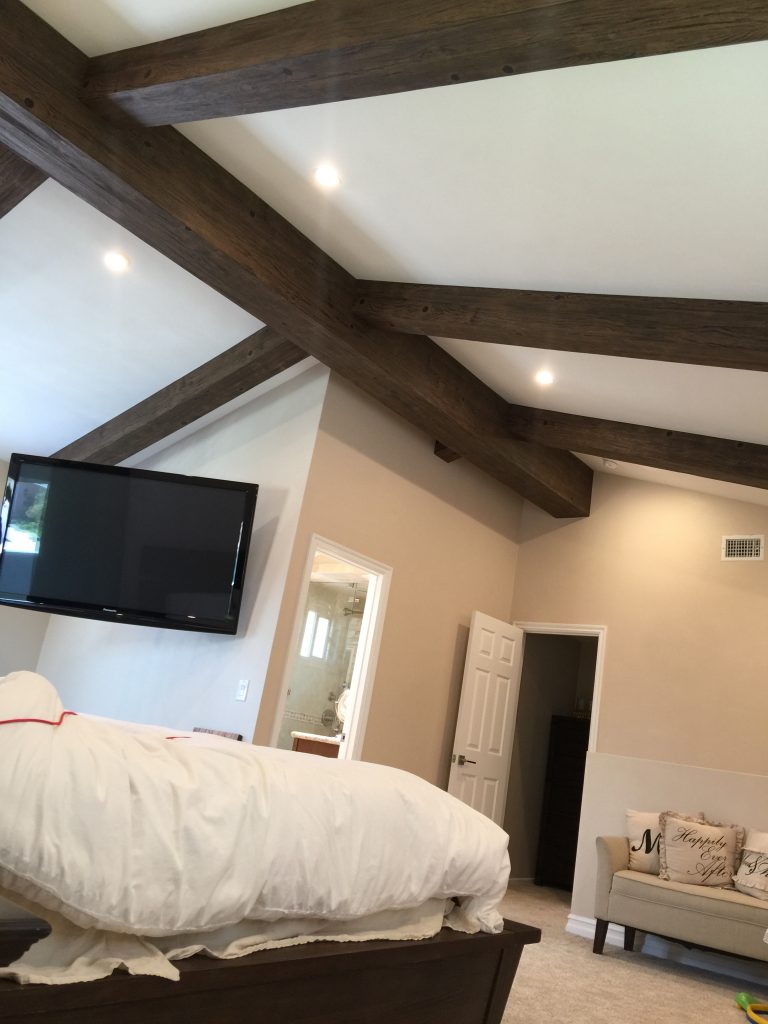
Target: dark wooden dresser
561,804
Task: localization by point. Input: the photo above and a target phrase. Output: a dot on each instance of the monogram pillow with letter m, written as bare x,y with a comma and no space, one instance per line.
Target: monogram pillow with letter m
643,833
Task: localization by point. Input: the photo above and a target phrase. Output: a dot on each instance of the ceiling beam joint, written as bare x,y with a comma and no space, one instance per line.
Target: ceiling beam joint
158,185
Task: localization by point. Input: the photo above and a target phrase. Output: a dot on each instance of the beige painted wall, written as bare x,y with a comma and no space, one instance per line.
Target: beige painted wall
687,644
449,533
684,698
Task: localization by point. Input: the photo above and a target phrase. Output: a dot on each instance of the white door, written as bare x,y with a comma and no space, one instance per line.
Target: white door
485,727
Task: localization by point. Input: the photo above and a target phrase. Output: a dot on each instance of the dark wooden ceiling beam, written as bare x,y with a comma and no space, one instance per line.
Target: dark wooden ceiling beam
345,49
707,332
17,180
715,458
159,186
207,387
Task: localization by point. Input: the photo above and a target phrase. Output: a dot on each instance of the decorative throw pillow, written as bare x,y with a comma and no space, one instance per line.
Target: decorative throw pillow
643,832
752,876
698,852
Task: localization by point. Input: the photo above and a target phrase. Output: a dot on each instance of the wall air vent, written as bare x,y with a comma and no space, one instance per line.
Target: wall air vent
743,549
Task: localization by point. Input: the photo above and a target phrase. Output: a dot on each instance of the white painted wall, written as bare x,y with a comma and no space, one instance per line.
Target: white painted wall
21,631
21,637
184,679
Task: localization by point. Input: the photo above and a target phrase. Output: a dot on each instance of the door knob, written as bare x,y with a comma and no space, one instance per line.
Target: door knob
464,760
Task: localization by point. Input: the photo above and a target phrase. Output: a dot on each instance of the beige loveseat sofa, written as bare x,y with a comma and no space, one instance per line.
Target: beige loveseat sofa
698,915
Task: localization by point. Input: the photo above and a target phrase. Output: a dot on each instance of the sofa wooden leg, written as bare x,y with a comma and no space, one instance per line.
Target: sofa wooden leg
629,938
601,930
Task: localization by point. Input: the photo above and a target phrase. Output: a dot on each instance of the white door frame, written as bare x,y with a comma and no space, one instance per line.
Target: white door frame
368,645
573,630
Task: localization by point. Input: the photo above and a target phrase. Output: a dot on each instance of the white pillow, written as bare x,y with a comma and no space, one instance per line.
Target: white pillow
752,876
643,832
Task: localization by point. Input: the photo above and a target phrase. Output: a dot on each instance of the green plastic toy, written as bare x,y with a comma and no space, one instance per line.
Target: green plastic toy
754,1010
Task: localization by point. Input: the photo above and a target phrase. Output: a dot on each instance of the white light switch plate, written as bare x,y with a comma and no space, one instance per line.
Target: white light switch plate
242,689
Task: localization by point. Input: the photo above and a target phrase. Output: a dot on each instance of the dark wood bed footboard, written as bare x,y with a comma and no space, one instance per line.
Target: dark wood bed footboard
464,979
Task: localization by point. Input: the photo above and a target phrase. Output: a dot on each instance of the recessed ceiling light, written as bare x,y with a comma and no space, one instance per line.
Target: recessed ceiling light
326,176
545,378
116,261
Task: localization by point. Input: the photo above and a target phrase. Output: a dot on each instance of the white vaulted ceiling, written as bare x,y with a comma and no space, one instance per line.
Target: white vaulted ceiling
79,344
641,177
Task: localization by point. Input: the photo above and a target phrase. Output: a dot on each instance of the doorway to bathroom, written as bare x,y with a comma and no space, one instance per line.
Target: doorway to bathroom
328,684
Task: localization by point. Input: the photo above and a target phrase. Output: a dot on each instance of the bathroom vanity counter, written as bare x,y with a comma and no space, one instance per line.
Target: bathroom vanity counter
311,743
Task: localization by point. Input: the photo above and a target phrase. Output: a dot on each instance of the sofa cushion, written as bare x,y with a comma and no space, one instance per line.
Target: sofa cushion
727,904
752,876
720,919
698,852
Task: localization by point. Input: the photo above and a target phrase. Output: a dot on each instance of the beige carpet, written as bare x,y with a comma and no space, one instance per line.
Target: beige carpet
561,979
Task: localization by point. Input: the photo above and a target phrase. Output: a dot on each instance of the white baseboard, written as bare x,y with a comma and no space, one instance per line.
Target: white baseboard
585,927
675,952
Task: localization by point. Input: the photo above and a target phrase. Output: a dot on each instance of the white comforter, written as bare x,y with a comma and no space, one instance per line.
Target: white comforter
134,834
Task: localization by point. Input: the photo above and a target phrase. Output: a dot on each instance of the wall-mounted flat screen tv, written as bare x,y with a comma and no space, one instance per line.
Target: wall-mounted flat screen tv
124,545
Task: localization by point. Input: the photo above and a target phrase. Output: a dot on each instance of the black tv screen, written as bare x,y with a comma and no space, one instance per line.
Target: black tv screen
124,545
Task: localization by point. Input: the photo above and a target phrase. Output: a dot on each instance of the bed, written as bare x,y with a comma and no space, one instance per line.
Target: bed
452,976
142,849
